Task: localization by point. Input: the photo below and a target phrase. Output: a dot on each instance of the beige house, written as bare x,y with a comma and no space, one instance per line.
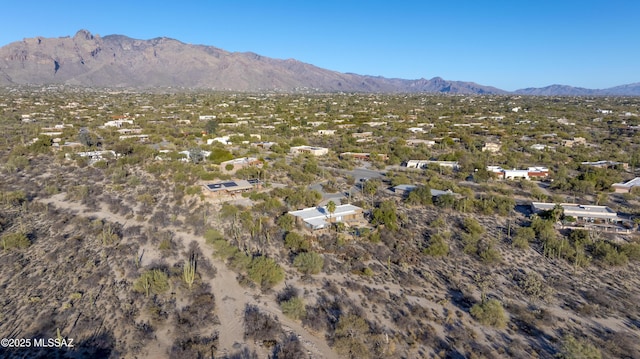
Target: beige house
491,147
626,187
312,150
239,163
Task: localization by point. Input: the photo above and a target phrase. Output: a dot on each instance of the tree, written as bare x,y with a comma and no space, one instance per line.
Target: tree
211,126
386,215
85,138
286,222
370,188
265,271
196,155
350,332
331,208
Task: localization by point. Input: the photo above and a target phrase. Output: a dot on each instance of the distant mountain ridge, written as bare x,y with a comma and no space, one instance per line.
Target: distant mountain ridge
119,61
563,90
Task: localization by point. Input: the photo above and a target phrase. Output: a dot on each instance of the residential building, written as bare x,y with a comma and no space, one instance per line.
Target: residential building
93,156
513,174
580,212
606,164
362,134
224,140
364,156
230,188
425,163
312,150
316,218
491,147
626,187
326,132
416,130
418,142
239,163
576,141
264,144
404,189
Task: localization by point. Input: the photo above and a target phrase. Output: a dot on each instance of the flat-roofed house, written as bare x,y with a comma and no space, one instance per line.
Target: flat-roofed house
425,163
364,156
239,163
316,218
579,211
230,188
312,150
625,187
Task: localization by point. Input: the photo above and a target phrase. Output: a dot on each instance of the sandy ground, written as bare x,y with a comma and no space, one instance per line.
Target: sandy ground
231,298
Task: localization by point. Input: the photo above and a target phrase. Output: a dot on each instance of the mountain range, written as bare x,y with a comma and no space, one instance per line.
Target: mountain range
119,61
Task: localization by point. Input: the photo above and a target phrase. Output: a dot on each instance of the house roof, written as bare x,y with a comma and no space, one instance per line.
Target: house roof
578,210
316,216
238,185
630,183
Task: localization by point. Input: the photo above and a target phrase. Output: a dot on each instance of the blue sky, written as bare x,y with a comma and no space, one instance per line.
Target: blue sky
507,44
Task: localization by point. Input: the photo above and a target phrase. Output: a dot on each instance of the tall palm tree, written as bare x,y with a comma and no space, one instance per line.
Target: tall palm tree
331,208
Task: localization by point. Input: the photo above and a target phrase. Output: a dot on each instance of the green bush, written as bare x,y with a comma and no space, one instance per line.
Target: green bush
309,263
296,242
211,235
573,348
152,281
490,313
265,272
15,240
523,236
438,247
293,308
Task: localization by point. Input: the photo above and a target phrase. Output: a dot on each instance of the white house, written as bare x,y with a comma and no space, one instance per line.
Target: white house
425,163
224,140
319,217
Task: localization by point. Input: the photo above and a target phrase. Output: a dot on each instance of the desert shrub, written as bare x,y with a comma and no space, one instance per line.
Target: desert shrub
286,222
14,198
309,262
438,246
490,313
293,308
573,348
350,332
609,254
489,254
523,236
297,242
532,285
631,250
291,348
14,240
265,272
211,235
152,281
260,326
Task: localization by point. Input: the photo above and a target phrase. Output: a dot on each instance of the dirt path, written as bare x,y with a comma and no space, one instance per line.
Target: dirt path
231,298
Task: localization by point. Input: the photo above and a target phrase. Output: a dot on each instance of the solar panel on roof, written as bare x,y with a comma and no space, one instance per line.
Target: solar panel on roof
253,181
229,184
214,186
